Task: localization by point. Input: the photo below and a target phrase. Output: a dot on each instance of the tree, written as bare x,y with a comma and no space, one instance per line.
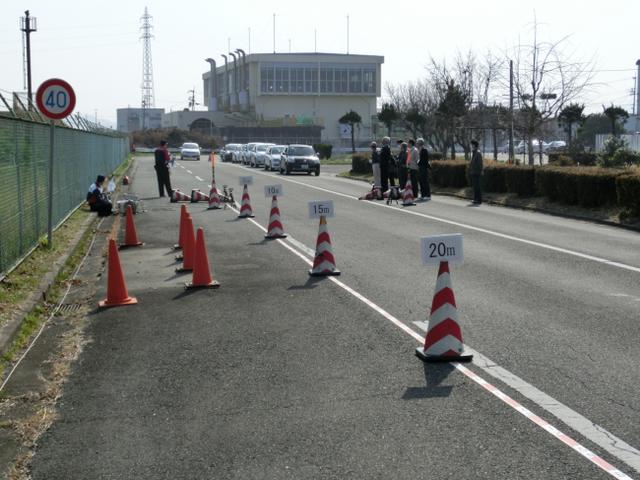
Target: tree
569,116
545,80
388,115
451,109
615,115
594,124
352,119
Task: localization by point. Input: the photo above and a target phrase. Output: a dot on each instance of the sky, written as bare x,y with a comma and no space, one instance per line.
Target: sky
96,47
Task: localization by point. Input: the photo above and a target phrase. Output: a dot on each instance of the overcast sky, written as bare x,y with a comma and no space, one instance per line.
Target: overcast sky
95,45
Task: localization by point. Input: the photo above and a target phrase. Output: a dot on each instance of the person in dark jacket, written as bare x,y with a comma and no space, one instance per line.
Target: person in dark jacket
402,165
163,158
475,172
387,165
97,199
423,171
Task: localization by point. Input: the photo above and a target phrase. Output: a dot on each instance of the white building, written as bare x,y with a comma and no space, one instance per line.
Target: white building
295,89
133,119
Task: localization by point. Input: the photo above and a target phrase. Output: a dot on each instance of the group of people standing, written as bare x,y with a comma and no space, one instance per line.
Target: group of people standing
412,162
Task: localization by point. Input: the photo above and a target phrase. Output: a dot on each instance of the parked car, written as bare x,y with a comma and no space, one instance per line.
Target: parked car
258,156
272,157
523,146
190,151
247,150
556,146
231,152
299,158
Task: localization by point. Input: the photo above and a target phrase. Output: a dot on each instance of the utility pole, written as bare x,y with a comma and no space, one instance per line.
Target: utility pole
274,33
192,99
28,25
347,34
511,149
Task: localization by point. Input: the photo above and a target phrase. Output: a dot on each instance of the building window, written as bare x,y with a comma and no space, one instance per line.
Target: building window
326,80
282,79
369,81
297,80
341,80
311,79
355,81
267,79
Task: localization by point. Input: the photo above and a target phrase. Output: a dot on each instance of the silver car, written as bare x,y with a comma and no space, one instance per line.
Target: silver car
190,151
258,156
272,157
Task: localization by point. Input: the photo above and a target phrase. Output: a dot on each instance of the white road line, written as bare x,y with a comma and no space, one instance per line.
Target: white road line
190,172
408,211
588,429
198,178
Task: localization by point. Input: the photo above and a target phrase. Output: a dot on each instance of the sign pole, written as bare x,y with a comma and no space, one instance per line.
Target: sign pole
50,206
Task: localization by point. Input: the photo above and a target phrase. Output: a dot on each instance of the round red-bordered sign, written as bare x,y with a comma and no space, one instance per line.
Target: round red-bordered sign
55,99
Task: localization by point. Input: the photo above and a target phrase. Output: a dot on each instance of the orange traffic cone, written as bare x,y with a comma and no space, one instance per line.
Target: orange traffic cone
187,248
407,194
183,224
275,228
201,273
323,264
443,342
130,235
116,288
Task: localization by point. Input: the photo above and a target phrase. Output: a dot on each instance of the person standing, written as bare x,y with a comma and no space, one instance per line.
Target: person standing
387,164
413,156
375,166
163,158
423,170
475,172
402,165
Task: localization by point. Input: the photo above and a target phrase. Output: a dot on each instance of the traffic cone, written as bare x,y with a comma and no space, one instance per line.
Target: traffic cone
245,206
183,225
323,264
407,194
201,273
214,199
275,228
116,288
130,235
178,196
443,342
187,248
198,196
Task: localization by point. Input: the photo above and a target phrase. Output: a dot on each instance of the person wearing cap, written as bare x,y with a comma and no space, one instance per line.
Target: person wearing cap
387,164
375,166
163,158
475,172
423,170
413,156
97,199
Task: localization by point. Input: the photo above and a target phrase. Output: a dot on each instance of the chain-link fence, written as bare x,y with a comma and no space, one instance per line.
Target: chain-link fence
79,157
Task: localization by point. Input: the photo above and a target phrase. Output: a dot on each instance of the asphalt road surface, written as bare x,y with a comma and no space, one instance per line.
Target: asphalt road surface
276,375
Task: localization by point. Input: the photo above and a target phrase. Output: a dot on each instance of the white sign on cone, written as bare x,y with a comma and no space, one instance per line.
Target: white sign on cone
441,248
321,209
246,181
273,191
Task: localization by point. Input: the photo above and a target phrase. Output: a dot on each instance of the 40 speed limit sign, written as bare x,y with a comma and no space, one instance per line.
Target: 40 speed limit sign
55,99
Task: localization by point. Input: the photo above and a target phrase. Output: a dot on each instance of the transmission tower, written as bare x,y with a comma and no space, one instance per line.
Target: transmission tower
147,65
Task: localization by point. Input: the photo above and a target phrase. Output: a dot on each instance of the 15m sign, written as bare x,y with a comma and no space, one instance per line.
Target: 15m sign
441,248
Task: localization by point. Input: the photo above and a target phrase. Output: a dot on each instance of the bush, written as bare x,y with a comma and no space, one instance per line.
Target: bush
494,178
561,160
611,146
573,158
360,164
586,186
625,158
435,156
628,192
449,173
521,180
324,150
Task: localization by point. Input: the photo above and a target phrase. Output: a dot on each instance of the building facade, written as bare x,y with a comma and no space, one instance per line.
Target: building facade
295,89
133,119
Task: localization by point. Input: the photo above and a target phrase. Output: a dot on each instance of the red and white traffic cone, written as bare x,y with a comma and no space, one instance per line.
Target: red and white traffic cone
275,228
178,196
443,342
323,264
198,196
407,194
245,206
214,199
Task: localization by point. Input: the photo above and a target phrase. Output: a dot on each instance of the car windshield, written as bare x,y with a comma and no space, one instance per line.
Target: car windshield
302,151
190,145
276,149
262,148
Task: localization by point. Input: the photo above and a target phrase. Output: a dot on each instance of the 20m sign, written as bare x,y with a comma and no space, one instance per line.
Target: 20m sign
55,99
441,248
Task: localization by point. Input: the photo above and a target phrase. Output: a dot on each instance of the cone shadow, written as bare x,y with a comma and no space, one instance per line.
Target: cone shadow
309,284
434,375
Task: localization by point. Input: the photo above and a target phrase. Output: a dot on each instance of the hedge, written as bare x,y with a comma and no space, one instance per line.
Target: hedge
586,186
495,178
324,150
580,158
628,189
521,180
449,173
360,164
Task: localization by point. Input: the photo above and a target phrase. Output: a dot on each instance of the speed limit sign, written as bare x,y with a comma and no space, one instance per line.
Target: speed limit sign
55,99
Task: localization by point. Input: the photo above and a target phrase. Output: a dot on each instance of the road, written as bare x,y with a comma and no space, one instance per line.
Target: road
276,375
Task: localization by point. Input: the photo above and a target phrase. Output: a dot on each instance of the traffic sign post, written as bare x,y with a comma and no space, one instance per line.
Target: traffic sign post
56,100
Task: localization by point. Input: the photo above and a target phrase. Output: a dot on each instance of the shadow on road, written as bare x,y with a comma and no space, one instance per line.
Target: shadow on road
309,284
434,374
